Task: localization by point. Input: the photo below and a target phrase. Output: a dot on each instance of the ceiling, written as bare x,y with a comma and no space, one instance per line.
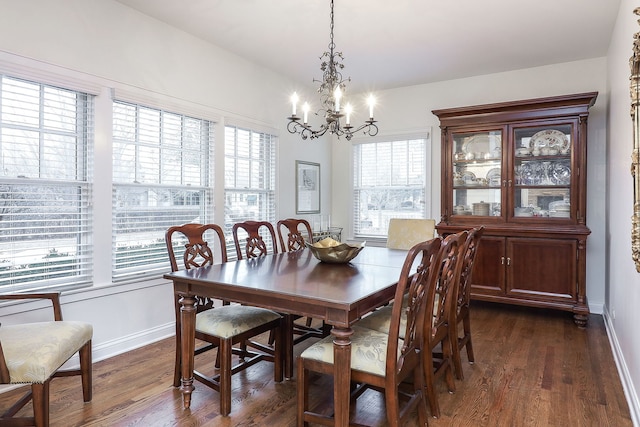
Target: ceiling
388,44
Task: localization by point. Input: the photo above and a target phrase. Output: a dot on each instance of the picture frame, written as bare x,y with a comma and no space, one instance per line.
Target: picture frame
307,187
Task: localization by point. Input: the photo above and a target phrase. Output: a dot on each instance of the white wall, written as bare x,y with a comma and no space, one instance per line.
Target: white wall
410,108
623,297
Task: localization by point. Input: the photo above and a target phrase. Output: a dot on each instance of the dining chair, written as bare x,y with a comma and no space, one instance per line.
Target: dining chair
297,232
437,336
260,236
438,349
33,353
225,326
403,233
388,361
463,303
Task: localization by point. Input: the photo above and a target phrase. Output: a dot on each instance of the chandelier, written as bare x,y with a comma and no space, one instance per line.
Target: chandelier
332,89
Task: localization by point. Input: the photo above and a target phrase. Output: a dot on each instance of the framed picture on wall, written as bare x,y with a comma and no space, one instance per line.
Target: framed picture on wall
307,187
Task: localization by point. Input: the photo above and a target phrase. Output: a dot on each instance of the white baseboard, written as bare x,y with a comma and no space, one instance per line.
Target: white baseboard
627,384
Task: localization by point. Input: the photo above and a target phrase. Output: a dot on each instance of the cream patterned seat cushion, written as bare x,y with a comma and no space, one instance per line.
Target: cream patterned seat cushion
34,351
404,233
231,320
368,351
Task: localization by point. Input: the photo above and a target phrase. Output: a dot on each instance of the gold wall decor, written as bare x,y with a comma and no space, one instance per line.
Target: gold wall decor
634,63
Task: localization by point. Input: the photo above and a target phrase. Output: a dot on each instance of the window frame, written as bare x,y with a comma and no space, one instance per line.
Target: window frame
65,137
157,193
425,211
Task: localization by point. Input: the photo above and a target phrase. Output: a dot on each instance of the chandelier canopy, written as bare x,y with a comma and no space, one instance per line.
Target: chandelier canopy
332,89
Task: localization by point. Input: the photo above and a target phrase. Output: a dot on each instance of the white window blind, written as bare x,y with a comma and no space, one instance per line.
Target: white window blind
161,177
249,179
389,182
46,137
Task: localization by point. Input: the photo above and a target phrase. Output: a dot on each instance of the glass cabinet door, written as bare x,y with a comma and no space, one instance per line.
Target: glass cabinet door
542,172
477,173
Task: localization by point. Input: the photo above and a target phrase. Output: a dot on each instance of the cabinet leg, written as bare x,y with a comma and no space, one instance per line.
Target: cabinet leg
580,320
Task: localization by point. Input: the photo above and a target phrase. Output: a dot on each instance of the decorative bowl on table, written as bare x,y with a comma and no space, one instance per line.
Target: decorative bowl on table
331,251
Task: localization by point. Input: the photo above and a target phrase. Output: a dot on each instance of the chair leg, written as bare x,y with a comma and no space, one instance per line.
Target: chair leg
40,397
225,376
86,371
467,333
457,361
303,394
447,355
429,382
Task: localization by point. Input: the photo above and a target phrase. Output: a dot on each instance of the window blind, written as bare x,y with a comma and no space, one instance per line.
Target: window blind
161,177
46,140
249,180
389,182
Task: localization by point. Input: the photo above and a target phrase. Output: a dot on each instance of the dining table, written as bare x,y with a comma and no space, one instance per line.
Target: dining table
294,284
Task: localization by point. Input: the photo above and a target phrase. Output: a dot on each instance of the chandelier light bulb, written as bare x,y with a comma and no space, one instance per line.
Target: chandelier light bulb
294,103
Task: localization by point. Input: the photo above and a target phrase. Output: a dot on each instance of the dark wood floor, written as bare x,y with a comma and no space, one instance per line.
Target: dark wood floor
533,368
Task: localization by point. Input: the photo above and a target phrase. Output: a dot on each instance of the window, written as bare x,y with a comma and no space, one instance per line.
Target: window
46,136
389,181
249,179
162,177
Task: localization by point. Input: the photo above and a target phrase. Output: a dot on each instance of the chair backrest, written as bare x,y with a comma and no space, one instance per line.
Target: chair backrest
197,251
255,244
413,290
446,290
295,236
468,260
403,233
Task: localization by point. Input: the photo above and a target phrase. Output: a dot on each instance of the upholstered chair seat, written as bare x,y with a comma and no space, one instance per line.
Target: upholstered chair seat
368,350
35,351
232,320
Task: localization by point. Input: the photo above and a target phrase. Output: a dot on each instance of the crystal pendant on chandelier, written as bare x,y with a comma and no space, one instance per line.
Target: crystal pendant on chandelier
331,90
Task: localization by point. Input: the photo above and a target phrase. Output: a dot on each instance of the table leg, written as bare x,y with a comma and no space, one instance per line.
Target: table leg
187,346
341,374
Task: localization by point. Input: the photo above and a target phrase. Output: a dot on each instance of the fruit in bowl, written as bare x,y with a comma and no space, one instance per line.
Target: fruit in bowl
332,251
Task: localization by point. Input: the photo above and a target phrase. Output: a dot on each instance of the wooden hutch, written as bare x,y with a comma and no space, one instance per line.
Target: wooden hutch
519,169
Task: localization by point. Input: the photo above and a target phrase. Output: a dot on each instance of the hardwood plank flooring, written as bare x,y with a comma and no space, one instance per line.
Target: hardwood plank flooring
533,368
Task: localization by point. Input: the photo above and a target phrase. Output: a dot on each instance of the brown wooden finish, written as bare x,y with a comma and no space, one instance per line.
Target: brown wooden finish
552,271
442,304
295,283
198,254
38,393
533,368
254,245
295,237
402,365
462,316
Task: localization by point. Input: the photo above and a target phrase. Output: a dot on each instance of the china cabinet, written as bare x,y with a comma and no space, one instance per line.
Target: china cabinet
519,169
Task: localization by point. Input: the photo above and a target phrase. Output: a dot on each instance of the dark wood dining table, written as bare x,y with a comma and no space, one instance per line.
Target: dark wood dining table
294,283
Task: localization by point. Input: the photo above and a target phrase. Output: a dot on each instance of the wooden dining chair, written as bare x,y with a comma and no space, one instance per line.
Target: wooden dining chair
33,353
260,235
463,303
383,361
297,232
225,326
438,349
